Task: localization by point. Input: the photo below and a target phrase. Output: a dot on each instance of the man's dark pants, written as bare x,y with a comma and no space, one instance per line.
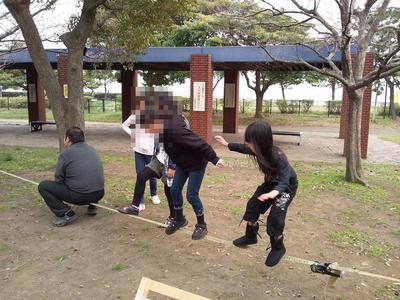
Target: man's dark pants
56,193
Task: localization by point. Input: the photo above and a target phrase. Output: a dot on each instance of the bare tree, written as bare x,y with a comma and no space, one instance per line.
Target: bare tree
67,111
10,34
354,29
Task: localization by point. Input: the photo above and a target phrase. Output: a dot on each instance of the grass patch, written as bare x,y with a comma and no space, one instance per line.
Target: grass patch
360,241
330,177
14,159
3,247
118,267
396,232
147,228
391,138
62,257
234,209
350,216
390,292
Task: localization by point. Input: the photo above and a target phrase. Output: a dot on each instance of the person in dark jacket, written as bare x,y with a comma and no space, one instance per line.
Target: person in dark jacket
187,150
191,154
79,179
159,167
276,192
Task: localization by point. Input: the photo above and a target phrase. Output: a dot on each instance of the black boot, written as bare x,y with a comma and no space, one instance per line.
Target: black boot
278,250
248,239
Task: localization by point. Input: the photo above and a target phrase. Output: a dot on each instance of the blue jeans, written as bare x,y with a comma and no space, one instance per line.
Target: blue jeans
141,160
193,188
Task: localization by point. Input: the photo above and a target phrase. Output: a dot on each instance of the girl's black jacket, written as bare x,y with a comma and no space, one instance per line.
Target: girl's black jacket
287,179
185,148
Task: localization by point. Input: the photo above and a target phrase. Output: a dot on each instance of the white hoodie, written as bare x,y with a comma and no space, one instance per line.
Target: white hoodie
142,141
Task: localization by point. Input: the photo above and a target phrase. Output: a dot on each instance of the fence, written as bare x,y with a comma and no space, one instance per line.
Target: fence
331,108
113,104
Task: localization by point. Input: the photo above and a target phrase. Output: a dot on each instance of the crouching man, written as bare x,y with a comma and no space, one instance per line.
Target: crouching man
79,179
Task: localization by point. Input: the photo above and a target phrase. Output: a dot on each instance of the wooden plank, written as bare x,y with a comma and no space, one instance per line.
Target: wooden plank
147,285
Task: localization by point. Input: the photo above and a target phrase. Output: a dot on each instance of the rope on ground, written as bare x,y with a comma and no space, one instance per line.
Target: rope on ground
228,243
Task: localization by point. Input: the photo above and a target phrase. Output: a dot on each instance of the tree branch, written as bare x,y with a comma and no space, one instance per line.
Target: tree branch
378,74
248,81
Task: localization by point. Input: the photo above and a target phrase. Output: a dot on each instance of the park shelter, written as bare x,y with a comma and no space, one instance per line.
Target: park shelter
201,62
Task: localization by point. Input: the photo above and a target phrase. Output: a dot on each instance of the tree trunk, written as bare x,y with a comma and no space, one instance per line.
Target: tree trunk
353,147
259,103
259,95
392,108
333,89
21,13
75,105
67,112
283,92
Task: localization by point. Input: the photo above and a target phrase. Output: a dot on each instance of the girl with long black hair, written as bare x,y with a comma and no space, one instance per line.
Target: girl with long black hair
276,192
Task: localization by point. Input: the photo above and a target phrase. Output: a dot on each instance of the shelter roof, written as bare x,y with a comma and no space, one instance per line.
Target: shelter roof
270,57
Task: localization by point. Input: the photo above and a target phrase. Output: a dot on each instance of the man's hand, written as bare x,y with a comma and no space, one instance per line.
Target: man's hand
220,163
221,140
271,195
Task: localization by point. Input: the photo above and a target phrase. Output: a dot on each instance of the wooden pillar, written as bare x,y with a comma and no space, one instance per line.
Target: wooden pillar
129,84
62,71
231,102
201,88
36,103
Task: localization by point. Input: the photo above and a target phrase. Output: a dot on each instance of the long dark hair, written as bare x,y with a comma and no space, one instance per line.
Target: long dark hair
259,134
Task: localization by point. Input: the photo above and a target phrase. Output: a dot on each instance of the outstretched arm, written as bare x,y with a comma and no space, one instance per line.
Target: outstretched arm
241,148
125,126
221,140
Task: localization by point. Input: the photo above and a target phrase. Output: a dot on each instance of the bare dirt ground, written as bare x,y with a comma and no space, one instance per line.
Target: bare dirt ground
104,257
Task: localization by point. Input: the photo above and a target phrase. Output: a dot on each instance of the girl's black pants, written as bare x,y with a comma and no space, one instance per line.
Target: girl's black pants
277,213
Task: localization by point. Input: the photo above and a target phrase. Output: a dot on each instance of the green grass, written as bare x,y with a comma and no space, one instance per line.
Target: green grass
391,138
360,241
396,232
389,292
14,159
63,257
316,117
234,209
330,177
118,267
350,216
3,247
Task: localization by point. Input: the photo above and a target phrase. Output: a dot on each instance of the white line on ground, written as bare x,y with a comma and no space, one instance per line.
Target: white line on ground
228,243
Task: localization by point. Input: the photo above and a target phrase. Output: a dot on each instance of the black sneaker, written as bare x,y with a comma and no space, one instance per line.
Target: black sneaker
199,232
175,225
91,210
69,217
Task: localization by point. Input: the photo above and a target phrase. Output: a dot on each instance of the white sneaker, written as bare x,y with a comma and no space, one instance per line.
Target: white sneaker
155,199
142,207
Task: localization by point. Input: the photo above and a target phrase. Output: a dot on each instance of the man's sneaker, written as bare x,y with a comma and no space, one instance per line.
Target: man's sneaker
168,221
130,210
142,206
175,225
155,199
199,232
91,210
68,217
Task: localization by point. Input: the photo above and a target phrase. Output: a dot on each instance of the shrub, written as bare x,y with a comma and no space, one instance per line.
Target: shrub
381,107
306,105
282,106
14,102
334,107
